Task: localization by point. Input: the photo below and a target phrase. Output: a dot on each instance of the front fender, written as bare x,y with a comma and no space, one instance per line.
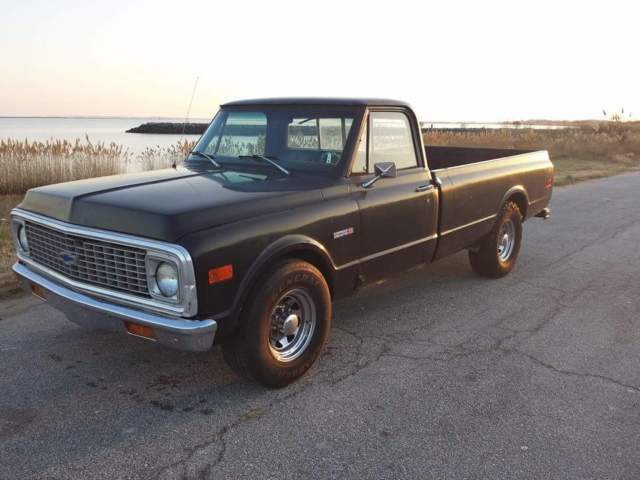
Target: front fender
291,245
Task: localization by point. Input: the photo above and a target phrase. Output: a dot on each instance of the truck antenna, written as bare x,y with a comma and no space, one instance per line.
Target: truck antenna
186,117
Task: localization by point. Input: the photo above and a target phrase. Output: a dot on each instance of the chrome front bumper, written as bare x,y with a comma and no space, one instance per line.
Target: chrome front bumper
183,334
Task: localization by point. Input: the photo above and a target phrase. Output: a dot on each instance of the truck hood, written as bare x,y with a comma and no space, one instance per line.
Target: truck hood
168,204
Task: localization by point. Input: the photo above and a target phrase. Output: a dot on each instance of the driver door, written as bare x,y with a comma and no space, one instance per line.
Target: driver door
398,216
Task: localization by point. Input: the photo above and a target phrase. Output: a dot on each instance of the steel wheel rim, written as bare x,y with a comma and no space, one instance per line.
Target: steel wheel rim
506,240
293,321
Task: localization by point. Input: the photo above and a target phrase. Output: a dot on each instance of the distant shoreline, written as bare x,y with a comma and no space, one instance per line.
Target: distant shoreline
170,128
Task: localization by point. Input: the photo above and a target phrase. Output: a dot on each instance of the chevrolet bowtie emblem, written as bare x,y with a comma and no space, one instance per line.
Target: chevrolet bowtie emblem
68,258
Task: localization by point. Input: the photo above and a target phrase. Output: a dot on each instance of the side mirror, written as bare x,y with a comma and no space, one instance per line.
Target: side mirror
382,170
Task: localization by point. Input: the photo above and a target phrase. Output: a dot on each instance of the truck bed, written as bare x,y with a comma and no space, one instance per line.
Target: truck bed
477,181
447,157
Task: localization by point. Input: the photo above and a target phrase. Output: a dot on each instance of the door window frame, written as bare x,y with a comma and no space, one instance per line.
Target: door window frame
366,124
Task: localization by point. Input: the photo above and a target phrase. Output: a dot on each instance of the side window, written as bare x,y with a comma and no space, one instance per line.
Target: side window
360,162
391,140
318,133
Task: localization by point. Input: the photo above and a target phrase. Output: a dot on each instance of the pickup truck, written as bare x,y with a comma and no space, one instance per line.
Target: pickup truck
283,206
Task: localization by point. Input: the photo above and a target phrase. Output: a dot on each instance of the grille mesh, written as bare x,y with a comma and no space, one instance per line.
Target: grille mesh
106,264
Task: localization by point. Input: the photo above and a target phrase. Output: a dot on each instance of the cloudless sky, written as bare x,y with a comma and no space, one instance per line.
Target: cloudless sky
476,60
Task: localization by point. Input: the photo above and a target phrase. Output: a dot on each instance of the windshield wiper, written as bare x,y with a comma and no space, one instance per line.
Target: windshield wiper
268,160
207,156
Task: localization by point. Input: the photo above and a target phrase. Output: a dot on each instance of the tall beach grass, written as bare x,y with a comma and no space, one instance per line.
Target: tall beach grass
26,164
155,158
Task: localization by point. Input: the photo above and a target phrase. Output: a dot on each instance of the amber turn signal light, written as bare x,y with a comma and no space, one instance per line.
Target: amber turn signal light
220,274
140,330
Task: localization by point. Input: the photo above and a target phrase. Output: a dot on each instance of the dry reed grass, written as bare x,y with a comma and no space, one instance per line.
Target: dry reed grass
156,158
28,164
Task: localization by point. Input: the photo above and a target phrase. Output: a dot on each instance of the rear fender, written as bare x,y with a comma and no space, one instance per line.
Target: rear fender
519,195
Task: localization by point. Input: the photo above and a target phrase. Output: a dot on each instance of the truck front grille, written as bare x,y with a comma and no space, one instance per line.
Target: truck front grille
110,265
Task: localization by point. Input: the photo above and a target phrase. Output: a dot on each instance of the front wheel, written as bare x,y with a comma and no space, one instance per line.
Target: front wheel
497,253
283,327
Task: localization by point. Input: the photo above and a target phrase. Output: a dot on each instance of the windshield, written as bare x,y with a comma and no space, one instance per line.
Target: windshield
312,138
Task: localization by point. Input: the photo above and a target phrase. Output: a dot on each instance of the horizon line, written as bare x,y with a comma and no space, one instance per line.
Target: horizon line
97,117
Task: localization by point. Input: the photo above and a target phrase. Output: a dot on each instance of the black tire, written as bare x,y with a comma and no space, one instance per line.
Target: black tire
250,352
486,259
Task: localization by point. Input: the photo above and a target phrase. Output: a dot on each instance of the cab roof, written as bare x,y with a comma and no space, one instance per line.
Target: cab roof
362,102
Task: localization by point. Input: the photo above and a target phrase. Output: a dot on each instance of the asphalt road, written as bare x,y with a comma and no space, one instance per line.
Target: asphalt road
434,374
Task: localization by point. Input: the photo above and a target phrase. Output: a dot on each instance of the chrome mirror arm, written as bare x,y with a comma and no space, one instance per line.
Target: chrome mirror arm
369,183
381,172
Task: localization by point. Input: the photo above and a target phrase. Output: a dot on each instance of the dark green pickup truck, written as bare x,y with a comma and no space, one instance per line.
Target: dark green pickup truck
283,206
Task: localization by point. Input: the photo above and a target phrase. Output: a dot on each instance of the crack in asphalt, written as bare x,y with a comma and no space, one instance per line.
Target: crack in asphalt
360,365
507,351
180,470
461,351
576,374
201,470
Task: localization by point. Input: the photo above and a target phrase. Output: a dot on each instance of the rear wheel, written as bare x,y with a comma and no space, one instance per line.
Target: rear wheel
497,253
284,326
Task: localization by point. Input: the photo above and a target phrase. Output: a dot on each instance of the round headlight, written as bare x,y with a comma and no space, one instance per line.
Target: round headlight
167,279
22,238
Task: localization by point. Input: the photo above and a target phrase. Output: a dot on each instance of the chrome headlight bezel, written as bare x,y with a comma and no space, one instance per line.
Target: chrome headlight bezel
17,227
153,262
23,241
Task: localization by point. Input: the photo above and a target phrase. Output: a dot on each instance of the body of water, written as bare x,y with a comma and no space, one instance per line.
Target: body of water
105,130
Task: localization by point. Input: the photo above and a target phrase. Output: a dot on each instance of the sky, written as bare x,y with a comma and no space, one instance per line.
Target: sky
453,61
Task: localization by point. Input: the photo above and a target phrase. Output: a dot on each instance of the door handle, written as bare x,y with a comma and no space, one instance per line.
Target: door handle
424,188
